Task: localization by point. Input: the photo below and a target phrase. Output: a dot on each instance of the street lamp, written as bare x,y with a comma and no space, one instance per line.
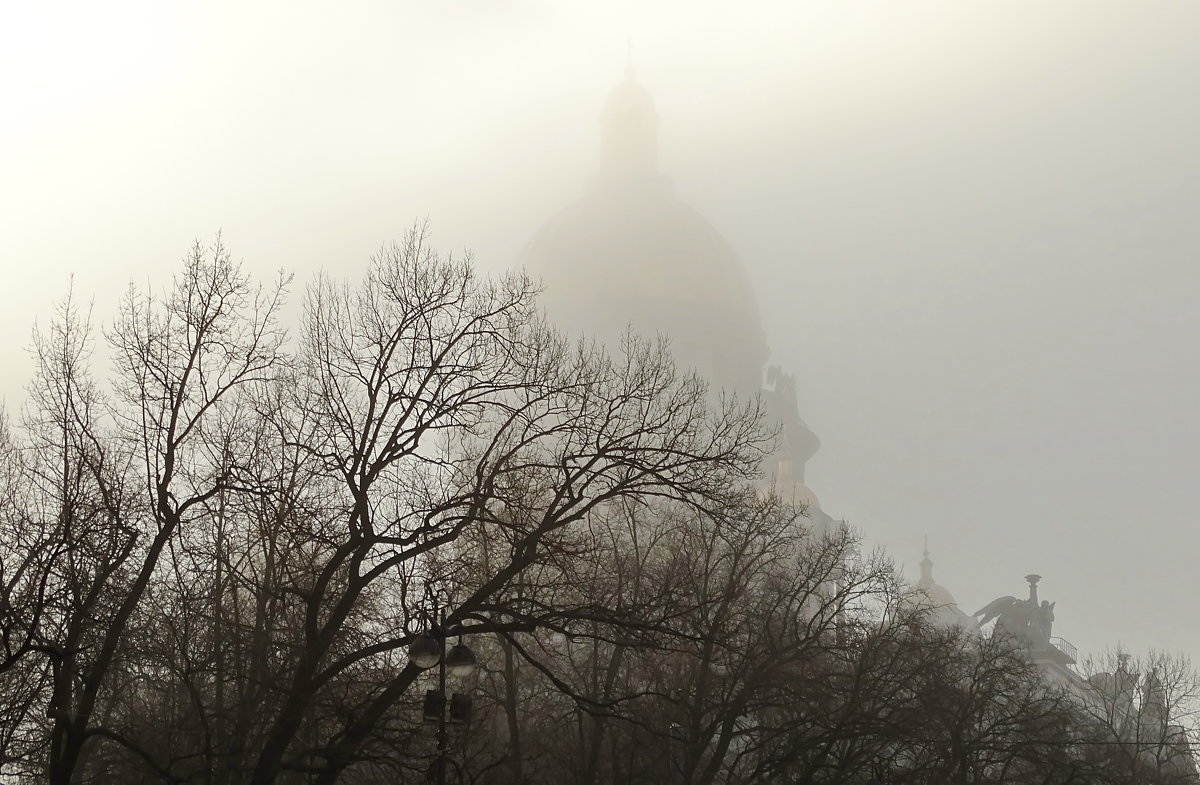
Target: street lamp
428,650
425,651
460,661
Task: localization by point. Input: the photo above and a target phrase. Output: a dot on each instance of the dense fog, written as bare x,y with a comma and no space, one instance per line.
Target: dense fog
969,227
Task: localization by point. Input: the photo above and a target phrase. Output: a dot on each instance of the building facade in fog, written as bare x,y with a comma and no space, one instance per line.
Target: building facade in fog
629,253
1132,712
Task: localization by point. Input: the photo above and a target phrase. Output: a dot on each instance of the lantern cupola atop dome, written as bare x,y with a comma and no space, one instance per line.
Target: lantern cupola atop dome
939,595
629,132
943,608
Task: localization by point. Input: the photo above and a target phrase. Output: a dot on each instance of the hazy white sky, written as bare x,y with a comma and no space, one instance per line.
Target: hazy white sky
972,226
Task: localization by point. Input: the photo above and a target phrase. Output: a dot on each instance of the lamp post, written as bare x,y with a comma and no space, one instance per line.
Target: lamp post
675,740
427,651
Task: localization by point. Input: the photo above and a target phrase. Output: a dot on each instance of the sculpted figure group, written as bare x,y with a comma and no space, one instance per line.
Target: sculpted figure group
1025,620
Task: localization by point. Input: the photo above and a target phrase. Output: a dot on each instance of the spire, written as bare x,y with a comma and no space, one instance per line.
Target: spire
926,567
945,607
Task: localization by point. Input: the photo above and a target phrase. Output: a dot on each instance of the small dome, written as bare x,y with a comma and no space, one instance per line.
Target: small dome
938,595
939,603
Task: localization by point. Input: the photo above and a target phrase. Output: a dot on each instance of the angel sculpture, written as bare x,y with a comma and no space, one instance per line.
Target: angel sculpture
1012,615
1041,622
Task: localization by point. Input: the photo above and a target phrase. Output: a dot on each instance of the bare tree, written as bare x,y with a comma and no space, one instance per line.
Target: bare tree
1143,717
178,363
211,569
450,414
63,546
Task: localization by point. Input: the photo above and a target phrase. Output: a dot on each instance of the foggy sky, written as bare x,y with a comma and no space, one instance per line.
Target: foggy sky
971,226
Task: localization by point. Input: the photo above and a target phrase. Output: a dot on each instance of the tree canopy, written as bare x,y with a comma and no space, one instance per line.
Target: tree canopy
214,559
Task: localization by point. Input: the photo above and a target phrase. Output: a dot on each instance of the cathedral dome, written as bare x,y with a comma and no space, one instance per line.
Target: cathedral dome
630,252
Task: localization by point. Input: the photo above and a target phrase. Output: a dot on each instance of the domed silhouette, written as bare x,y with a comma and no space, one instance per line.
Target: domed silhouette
943,607
631,253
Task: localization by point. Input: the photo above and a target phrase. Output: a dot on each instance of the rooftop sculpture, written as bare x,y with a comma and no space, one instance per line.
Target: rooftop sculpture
1025,620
